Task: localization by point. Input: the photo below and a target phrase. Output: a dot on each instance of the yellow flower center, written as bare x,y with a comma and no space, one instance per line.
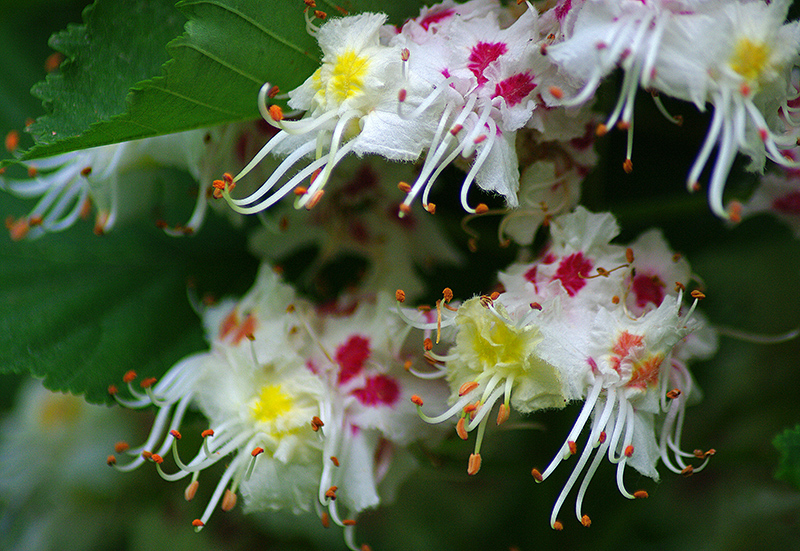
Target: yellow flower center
271,404
750,59
347,77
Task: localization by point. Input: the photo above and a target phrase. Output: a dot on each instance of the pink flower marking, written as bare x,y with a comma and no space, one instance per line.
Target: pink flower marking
648,288
788,204
572,271
351,357
515,88
380,390
433,18
482,54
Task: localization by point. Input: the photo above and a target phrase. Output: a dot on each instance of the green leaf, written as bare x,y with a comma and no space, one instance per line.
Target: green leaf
117,46
80,310
788,443
230,48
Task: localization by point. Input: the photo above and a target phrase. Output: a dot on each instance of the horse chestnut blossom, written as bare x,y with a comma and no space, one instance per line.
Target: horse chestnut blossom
588,321
313,407
749,53
116,180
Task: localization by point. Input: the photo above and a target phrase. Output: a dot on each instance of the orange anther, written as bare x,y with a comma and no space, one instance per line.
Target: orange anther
197,523
467,387
602,437
111,460
228,501
698,294
688,471
148,382
276,112
257,451
274,91
502,414
640,494
494,296
349,522
431,208
624,125
573,447
679,286
335,460
474,464
315,199
615,299
536,475
674,393
601,130
400,295
460,430
326,520
629,255
112,389
129,376
456,129
481,208
121,446
427,344
316,423
191,490
365,547
627,166
676,257
331,492
447,293
695,186
586,521
404,187
320,14
157,458
86,171
407,365
12,141
417,400
536,306
558,526
310,3
735,211
207,432
556,92
629,450
469,408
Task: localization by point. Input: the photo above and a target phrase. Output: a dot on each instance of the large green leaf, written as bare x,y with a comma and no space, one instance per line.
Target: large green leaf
118,45
80,310
230,48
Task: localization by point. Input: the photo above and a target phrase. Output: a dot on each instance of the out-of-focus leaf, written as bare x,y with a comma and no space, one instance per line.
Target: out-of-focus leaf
80,310
788,443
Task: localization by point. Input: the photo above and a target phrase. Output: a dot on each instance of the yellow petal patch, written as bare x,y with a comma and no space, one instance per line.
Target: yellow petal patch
347,77
750,59
272,403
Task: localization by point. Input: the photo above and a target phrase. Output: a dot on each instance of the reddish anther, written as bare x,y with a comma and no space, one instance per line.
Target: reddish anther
197,523
573,447
147,454
207,432
12,141
404,209
335,460
401,95
400,295
474,464
86,171
602,437
257,451
191,490
157,458
111,460
404,187
349,522
558,526
627,166
467,387
674,393
112,389
481,208
461,430
326,520
536,306
629,255
556,92
228,501
537,475
417,400
601,130
629,450
121,446
431,208
129,376
640,494
147,383
586,521
698,294
688,471
427,344
276,112
331,492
